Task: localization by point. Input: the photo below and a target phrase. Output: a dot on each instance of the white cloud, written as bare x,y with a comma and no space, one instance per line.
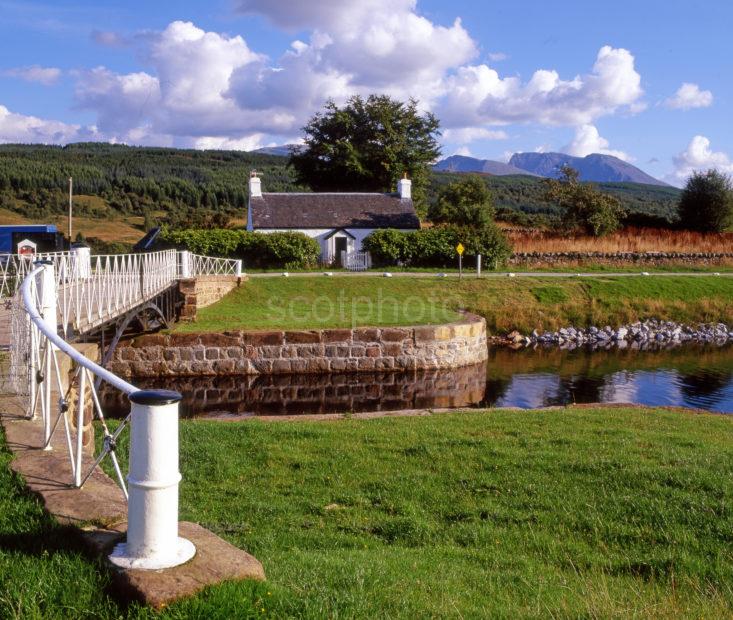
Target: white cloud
699,157
31,129
35,73
321,14
109,38
186,94
463,151
477,95
471,134
207,88
248,143
497,56
122,102
689,96
587,140
213,86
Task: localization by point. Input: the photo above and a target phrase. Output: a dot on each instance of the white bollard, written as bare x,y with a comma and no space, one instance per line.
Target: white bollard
185,264
48,298
238,269
152,512
81,257
478,265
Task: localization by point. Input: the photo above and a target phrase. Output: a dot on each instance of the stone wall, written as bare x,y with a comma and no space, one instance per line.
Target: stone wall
536,259
203,291
314,351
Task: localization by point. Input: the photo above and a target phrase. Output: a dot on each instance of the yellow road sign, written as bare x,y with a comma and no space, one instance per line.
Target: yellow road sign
460,249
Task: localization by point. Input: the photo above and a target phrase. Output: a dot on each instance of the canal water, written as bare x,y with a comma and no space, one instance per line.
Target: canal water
688,376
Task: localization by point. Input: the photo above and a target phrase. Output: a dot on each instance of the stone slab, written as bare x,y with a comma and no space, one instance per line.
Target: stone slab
215,561
48,473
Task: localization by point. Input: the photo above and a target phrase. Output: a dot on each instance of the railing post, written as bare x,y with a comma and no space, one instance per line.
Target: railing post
81,258
152,514
185,264
48,297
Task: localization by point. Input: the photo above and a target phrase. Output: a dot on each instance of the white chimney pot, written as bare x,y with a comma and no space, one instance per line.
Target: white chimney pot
255,187
404,187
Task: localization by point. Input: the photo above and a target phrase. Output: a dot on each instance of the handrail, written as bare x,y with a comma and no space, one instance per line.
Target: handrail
64,346
152,540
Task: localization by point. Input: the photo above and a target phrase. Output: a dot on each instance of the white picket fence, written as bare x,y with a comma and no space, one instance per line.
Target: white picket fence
356,261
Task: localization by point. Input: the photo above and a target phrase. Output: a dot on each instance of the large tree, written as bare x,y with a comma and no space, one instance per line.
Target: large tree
466,202
367,145
706,203
584,206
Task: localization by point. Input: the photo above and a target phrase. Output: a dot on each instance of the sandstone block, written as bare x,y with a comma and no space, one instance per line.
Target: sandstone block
263,338
366,335
302,337
337,335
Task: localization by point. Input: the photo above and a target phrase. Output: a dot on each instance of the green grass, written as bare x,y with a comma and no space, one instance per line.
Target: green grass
569,513
525,303
566,513
295,303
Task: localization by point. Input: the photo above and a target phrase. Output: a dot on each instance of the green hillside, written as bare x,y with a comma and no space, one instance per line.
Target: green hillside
180,185
526,194
209,188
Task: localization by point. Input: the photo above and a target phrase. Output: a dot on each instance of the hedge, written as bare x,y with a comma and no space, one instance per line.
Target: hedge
436,247
289,250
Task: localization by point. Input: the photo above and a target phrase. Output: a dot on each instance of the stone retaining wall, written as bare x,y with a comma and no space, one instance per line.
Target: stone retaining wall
203,291
315,351
621,258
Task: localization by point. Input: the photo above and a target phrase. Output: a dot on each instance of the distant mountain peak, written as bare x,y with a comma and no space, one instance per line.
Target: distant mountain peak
463,163
594,167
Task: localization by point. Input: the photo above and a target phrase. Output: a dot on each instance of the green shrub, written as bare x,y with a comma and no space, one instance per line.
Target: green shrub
290,250
213,242
436,247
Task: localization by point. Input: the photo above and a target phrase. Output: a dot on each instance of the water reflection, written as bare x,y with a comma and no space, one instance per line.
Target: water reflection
309,394
691,376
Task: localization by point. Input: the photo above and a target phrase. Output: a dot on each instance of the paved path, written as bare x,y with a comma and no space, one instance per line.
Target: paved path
496,274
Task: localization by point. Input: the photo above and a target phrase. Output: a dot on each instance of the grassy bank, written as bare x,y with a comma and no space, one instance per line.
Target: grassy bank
507,303
566,513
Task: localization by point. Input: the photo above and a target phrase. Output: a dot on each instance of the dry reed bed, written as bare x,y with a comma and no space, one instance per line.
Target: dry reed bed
627,240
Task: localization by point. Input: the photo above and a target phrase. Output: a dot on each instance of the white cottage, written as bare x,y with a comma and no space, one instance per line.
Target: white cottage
338,221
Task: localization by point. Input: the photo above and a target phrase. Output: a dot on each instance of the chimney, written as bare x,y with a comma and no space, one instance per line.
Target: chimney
255,187
404,188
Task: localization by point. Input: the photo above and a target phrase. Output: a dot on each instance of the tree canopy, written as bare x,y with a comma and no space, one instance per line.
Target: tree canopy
706,203
466,202
367,145
585,207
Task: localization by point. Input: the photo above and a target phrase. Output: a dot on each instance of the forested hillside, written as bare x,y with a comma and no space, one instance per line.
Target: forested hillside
170,184
138,187
526,194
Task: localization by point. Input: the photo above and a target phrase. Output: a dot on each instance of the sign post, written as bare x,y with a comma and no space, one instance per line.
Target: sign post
460,249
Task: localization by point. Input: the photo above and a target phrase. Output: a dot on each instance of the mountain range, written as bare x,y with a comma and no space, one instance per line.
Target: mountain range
595,167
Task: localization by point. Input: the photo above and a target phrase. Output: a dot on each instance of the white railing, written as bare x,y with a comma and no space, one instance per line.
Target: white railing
356,261
15,267
67,401
192,265
94,289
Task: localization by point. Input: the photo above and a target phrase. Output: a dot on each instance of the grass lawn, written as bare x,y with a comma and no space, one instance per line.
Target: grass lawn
506,303
567,513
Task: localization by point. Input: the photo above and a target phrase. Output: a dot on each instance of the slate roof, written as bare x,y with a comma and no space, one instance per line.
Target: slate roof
332,210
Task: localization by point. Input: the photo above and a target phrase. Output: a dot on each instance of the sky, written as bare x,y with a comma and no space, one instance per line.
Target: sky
648,81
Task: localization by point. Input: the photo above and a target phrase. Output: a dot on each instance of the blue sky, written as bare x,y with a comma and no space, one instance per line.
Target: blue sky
648,81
